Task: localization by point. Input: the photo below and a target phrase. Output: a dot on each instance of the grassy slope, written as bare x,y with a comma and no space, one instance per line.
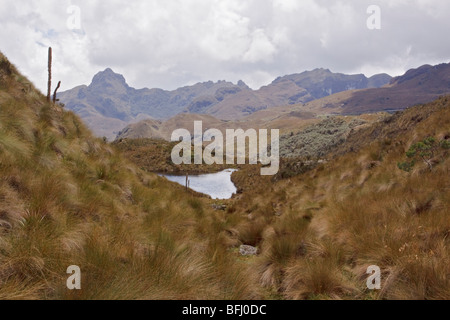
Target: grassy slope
66,198
318,232
155,156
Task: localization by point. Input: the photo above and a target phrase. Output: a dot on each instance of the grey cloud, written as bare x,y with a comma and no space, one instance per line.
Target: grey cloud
173,43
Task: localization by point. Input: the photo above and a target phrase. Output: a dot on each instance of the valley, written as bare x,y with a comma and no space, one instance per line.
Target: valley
341,202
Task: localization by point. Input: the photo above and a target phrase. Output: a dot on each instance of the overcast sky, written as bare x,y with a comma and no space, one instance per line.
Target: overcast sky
172,43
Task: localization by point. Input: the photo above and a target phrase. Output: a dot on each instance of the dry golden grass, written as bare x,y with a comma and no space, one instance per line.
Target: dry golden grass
360,210
67,198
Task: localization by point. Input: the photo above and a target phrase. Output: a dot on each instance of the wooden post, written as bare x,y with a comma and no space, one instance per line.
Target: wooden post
49,85
54,95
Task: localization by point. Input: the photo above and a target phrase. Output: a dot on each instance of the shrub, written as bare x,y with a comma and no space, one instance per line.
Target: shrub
425,150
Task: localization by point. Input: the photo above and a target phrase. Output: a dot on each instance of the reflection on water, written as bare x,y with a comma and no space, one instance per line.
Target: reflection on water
217,185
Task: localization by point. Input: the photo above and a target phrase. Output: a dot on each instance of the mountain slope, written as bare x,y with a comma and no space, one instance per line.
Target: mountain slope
421,85
321,230
417,86
67,198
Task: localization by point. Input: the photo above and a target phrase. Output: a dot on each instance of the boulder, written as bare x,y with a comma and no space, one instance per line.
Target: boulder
245,250
219,207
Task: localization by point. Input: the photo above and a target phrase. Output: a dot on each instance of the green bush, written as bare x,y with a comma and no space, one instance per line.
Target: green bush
425,150
445,144
406,166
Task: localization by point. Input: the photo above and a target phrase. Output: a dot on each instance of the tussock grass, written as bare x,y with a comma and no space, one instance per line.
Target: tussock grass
67,198
360,210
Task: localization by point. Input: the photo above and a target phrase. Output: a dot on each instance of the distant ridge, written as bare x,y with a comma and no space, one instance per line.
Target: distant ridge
416,86
108,104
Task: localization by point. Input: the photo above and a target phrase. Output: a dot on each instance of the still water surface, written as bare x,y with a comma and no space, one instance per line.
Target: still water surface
217,185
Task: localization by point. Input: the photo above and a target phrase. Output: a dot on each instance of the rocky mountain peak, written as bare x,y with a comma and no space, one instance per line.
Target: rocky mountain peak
241,84
108,80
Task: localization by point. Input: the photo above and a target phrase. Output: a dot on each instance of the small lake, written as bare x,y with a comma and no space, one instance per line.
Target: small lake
217,185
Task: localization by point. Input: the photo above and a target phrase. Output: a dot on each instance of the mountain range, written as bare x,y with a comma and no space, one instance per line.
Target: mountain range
377,198
108,104
112,108
417,86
